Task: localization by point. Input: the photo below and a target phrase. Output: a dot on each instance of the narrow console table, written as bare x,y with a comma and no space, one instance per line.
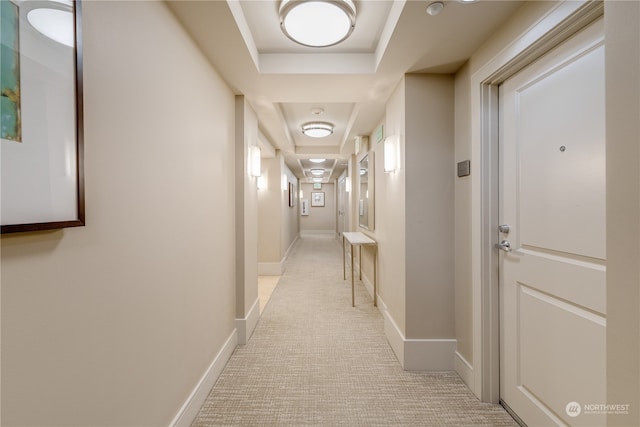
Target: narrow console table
359,239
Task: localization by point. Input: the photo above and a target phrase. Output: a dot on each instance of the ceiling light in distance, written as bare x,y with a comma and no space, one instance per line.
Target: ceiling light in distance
317,179
467,1
435,8
317,160
317,129
317,23
317,172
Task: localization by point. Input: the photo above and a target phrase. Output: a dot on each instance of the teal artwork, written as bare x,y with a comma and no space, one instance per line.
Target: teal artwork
10,120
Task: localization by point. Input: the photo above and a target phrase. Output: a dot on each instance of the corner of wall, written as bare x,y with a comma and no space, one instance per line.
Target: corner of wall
419,354
189,410
246,325
464,370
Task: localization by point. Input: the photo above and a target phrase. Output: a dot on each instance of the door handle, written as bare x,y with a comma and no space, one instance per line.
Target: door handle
503,246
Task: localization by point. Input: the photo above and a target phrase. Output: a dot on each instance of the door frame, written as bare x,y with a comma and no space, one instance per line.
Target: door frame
556,26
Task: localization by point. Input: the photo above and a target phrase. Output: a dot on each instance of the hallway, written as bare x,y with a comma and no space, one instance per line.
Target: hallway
315,360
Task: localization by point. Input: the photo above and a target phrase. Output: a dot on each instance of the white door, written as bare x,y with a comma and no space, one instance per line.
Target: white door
552,197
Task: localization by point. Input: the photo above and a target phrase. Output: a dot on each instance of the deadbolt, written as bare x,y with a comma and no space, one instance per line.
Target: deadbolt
504,228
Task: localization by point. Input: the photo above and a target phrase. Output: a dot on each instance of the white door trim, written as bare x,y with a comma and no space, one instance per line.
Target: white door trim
561,22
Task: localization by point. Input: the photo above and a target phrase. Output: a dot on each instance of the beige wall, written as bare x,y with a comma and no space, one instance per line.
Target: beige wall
390,214
246,126
277,222
290,219
320,219
462,218
114,323
622,40
414,210
270,206
429,206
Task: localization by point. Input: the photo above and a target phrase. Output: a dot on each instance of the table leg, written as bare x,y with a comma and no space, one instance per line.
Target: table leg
353,289
375,277
344,261
360,259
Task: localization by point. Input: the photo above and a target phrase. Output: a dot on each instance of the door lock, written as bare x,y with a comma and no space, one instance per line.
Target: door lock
503,246
504,228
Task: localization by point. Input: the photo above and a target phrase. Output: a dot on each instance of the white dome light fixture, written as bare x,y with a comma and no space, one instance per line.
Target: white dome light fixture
317,129
317,23
435,8
55,24
317,172
317,160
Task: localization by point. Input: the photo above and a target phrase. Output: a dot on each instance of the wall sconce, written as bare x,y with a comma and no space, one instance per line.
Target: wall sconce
301,194
285,183
254,160
347,184
391,153
262,183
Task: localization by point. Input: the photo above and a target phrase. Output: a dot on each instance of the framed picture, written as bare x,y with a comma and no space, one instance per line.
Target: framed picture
291,195
41,130
317,198
304,207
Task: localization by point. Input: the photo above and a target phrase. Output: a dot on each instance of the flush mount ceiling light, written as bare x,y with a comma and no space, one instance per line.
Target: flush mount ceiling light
435,8
317,23
55,24
317,160
317,172
317,129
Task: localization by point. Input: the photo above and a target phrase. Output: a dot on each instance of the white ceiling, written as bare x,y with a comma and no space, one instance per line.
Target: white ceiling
351,82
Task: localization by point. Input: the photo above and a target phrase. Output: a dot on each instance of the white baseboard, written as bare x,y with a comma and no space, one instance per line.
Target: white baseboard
288,251
270,268
394,336
189,410
325,233
246,326
419,354
368,284
275,268
464,369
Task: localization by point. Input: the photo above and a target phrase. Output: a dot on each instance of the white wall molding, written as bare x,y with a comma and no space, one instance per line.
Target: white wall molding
275,268
289,249
327,233
393,334
194,402
246,326
418,354
368,284
464,369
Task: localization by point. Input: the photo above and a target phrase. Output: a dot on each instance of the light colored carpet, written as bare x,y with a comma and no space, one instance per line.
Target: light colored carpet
313,360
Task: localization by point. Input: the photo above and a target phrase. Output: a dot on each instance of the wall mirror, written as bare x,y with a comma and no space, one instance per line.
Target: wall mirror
366,191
